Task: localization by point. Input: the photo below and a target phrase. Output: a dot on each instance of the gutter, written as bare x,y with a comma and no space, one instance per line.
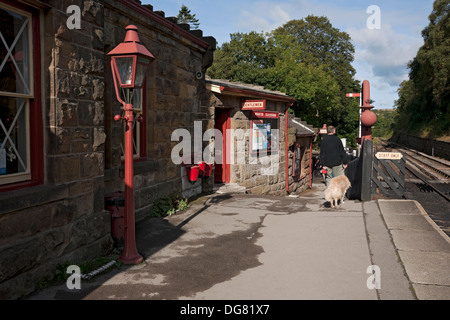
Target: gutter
310,161
256,94
286,118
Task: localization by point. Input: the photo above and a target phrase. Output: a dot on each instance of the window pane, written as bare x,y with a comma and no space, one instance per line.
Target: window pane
14,53
137,99
136,133
13,136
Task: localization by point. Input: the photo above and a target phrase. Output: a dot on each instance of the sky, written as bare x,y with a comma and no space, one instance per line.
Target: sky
385,40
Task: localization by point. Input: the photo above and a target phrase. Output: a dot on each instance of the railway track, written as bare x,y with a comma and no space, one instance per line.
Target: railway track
427,180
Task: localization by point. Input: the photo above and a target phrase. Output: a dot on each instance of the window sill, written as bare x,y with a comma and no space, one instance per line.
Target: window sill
31,197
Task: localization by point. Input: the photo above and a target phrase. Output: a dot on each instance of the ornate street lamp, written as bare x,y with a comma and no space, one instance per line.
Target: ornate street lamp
129,64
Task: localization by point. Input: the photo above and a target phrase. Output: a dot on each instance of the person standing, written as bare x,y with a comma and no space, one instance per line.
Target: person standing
332,155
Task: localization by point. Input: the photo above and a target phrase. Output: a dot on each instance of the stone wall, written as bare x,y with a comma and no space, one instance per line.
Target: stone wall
299,183
64,220
259,175
173,100
431,147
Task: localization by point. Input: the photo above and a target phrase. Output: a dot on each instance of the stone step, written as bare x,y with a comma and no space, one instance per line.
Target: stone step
229,188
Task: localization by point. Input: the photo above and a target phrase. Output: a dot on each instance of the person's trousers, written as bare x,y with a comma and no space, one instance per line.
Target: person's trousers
334,172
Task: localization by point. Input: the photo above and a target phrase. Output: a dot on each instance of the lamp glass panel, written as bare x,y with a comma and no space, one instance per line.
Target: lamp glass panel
141,69
125,69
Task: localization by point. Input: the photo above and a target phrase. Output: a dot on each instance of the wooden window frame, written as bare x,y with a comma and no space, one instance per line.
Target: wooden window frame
35,144
141,128
297,158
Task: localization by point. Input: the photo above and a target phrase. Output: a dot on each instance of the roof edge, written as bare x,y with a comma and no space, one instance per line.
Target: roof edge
242,89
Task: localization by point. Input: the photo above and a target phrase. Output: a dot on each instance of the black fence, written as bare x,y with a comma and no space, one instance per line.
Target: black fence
369,175
359,172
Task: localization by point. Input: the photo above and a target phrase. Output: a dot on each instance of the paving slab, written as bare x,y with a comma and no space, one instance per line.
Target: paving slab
304,258
247,247
422,246
395,285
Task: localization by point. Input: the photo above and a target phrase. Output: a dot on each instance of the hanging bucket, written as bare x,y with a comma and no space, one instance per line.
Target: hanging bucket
192,173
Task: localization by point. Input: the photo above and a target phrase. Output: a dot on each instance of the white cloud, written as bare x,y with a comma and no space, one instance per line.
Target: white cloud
386,51
264,16
381,56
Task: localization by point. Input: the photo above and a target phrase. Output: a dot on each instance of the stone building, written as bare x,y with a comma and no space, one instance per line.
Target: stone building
61,151
300,140
263,143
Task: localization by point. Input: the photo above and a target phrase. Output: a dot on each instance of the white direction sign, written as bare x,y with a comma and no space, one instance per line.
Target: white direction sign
388,155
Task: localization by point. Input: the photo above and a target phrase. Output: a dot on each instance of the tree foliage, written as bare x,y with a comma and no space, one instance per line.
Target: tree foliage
385,121
423,103
185,16
308,59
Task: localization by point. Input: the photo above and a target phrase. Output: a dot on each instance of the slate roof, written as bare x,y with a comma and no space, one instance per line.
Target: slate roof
245,89
303,128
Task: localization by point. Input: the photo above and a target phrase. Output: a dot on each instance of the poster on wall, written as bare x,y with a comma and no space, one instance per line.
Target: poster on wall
2,161
264,132
261,135
297,159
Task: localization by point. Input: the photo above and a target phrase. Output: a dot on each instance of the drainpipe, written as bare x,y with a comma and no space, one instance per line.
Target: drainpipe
286,117
310,161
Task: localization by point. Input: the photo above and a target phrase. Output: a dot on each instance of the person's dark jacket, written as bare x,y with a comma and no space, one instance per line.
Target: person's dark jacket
332,152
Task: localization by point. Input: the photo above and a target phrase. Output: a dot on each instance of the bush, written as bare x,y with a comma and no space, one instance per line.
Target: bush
166,206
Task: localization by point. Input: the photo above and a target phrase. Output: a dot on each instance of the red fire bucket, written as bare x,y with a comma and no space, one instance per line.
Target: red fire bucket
192,173
205,168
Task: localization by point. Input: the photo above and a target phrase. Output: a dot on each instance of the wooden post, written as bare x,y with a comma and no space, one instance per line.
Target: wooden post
367,162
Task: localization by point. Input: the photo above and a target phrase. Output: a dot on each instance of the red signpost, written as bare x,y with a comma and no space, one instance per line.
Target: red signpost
367,117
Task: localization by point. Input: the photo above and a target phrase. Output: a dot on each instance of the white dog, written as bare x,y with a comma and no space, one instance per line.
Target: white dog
337,187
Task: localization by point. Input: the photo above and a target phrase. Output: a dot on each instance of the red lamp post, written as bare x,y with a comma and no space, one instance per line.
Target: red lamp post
129,64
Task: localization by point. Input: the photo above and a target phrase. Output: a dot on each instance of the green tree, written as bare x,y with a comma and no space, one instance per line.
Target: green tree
246,58
307,59
331,52
185,16
423,104
385,121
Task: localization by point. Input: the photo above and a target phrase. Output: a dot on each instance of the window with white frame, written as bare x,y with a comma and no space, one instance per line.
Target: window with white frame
16,91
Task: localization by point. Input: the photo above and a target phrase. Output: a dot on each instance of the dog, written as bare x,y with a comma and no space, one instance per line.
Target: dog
336,190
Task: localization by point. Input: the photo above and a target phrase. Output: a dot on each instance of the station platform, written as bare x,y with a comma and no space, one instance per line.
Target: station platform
234,246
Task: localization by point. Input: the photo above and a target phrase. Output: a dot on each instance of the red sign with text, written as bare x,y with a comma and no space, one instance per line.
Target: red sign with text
253,105
270,115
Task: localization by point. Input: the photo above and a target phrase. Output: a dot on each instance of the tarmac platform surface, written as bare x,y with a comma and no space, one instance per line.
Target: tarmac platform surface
248,247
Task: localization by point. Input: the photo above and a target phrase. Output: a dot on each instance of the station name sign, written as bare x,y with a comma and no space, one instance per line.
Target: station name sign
388,155
253,105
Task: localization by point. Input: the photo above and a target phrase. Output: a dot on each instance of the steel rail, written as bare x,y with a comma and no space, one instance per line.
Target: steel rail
427,183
